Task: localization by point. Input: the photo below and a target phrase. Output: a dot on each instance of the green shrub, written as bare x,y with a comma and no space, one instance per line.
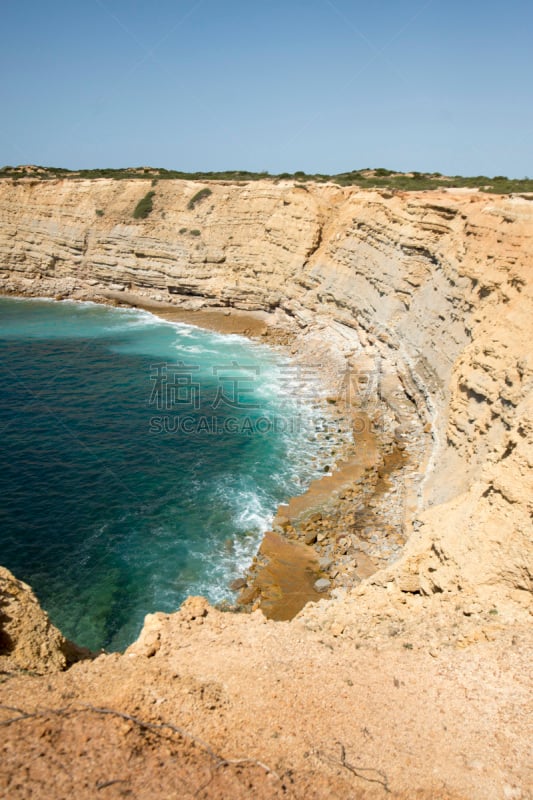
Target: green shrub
144,206
196,232
379,178
99,212
198,197
183,230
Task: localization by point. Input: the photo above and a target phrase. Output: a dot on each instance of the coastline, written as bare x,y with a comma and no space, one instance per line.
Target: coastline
343,528
328,537
424,667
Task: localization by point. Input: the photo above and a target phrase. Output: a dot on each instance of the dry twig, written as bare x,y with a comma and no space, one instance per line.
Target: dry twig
158,728
372,776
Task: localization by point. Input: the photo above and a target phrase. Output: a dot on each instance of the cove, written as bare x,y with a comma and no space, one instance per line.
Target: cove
142,460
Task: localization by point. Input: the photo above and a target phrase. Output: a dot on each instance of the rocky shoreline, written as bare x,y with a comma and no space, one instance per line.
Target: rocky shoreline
352,521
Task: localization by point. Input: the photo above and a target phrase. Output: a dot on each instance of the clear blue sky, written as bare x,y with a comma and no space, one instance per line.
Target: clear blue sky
277,85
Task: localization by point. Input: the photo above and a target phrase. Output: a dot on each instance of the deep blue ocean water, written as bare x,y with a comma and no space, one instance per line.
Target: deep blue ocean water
140,460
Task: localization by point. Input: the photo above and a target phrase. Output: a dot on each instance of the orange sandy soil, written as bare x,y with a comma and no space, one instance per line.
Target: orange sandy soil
281,580
216,705
222,320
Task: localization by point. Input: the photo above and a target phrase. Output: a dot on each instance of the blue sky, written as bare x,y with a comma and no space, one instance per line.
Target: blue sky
278,85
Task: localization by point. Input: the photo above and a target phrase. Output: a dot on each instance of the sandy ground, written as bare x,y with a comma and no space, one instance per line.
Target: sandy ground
219,706
222,320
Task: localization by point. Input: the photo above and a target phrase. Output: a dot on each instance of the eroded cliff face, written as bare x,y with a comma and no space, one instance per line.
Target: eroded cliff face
28,640
436,286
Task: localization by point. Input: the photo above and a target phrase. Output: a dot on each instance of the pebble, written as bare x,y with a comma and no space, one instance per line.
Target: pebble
337,629
322,585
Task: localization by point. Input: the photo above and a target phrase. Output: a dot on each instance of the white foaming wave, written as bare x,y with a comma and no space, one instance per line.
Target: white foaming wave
221,564
194,349
227,338
64,301
253,514
126,326
291,384
141,317
188,329
222,567
127,317
296,395
251,511
185,331
251,508
315,451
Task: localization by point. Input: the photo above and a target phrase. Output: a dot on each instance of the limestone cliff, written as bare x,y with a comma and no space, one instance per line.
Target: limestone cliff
438,284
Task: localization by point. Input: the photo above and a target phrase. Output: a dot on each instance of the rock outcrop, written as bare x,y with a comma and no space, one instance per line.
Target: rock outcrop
28,640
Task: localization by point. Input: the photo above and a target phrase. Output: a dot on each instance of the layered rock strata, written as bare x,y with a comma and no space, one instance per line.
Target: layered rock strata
427,293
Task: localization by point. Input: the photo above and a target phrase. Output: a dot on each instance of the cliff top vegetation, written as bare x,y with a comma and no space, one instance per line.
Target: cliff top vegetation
365,178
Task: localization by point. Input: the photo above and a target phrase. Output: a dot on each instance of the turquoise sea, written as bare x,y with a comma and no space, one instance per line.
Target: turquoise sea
141,460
